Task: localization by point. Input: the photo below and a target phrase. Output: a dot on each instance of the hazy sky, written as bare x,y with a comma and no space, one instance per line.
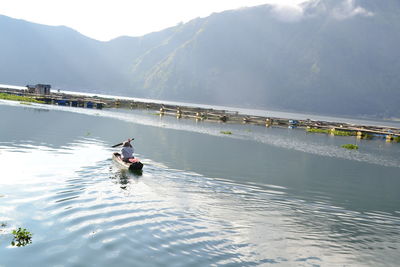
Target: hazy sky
107,19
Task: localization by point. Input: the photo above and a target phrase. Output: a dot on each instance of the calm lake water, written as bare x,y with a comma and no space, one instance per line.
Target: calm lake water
259,197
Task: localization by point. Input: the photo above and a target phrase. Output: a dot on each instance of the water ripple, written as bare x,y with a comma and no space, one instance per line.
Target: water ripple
85,211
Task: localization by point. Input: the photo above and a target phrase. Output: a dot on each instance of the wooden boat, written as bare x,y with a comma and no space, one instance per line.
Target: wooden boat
132,166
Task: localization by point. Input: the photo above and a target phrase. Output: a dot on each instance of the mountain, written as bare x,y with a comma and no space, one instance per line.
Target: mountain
325,56
329,56
34,53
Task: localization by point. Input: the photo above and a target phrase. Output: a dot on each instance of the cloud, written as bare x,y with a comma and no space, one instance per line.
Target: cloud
337,9
348,9
287,13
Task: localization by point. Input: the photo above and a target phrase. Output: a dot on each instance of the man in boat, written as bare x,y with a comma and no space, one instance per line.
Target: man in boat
127,151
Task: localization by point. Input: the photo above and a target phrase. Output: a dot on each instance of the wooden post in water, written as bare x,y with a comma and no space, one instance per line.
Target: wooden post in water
268,122
117,103
162,111
360,134
223,118
178,113
389,138
198,116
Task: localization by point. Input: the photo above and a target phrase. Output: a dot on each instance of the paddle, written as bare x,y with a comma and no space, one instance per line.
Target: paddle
121,143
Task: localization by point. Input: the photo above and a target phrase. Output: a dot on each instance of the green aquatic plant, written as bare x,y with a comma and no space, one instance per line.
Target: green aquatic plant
343,133
19,98
350,146
22,237
226,132
317,130
367,136
330,131
397,139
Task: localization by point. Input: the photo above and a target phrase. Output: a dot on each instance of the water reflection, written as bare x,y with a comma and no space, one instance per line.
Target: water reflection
203,199
124,177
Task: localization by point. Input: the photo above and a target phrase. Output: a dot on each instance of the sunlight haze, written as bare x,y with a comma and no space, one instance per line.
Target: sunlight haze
105,20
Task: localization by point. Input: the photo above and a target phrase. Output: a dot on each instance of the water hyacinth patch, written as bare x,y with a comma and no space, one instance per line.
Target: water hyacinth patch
22,237
343,133
330,131
350,146
317,130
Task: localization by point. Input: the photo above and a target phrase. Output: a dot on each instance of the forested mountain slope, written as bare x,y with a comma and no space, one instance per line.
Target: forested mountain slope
327,56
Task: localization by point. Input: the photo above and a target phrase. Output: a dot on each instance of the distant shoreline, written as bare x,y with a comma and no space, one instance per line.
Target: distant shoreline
348,127
370,121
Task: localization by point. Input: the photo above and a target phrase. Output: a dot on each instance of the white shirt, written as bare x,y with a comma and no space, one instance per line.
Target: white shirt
127,152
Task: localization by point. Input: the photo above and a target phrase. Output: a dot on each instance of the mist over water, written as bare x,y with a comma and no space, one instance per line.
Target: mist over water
260,196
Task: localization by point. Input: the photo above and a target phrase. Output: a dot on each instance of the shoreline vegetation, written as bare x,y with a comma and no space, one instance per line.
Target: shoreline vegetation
23,99
204,114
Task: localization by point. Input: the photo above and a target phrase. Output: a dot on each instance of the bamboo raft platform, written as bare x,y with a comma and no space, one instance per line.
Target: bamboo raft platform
215,115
